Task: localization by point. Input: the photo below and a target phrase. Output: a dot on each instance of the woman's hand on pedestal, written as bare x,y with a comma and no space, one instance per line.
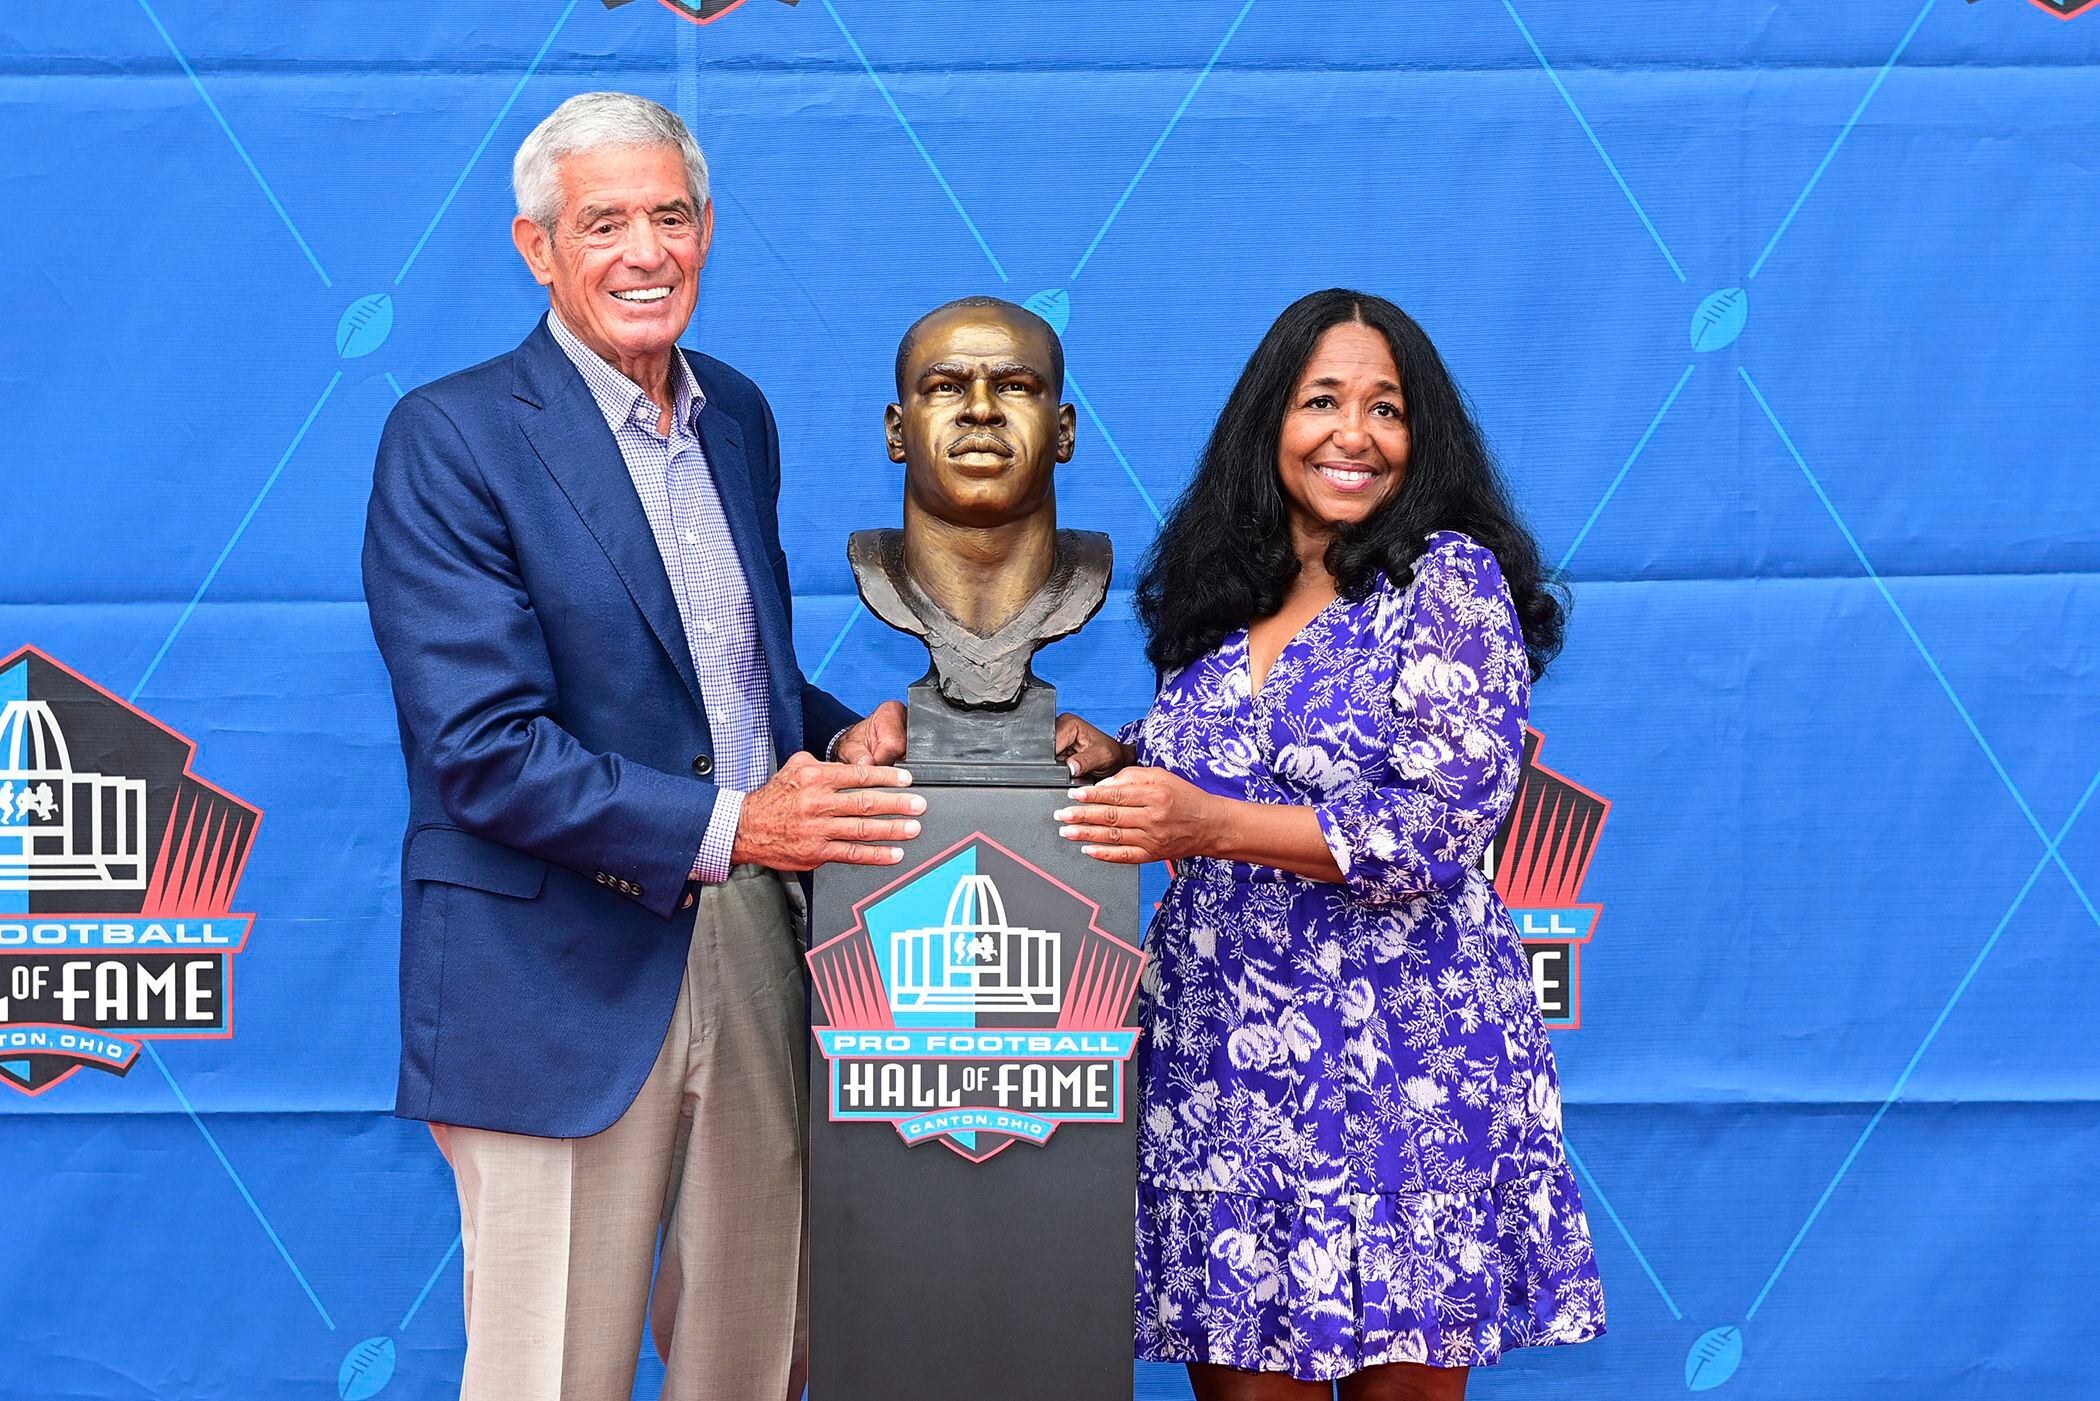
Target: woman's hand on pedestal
1141,814
1088,752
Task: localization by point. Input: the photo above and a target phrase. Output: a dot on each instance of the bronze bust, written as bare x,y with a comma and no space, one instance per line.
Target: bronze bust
980,572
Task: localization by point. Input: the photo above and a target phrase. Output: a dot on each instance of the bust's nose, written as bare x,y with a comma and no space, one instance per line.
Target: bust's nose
980,406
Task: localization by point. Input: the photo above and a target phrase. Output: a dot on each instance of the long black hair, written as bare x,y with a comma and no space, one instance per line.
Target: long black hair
1224,557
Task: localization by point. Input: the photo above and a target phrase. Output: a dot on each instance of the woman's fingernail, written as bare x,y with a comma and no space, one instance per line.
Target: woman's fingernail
911,829
917,804
1061,815
1068,831
904,778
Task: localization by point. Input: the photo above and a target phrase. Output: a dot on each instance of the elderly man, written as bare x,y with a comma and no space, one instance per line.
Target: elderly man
575,576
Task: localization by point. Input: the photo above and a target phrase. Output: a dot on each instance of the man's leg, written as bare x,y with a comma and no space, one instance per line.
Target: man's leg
732,1291
559,1236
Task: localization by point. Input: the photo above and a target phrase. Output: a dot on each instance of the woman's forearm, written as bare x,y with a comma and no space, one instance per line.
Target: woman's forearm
1284,835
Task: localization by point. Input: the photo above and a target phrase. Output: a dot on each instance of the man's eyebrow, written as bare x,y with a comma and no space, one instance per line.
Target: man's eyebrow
592,213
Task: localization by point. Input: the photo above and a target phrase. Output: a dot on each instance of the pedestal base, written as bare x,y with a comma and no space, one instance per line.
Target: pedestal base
972,1113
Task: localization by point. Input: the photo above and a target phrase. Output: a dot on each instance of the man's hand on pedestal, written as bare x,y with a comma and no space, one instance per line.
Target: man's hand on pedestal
805,816
879,739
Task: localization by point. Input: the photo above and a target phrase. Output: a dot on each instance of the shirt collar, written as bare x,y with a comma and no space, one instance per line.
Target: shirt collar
619,398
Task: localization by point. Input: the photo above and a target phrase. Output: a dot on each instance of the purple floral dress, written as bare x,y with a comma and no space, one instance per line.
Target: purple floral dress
1351,1147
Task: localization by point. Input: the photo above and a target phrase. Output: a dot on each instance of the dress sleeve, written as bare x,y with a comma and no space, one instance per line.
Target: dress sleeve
1461,688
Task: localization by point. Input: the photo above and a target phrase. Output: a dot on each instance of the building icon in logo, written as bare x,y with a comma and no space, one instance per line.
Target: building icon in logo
62,830
1537,862
973,959
975,1001
118,868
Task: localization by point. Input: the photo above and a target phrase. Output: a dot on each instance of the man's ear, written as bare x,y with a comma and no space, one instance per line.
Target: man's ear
893,431
1067,426
707,232
535,247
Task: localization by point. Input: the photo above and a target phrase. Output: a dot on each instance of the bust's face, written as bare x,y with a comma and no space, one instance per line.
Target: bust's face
979,430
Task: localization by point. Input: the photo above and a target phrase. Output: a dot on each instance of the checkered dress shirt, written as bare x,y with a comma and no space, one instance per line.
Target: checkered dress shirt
677,489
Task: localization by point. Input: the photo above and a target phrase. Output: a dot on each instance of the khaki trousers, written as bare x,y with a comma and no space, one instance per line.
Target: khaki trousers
560,1235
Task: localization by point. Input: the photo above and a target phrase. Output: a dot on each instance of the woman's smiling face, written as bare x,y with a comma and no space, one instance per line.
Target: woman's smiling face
1343,449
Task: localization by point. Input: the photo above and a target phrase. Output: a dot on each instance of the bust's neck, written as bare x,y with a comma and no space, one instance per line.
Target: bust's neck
982,576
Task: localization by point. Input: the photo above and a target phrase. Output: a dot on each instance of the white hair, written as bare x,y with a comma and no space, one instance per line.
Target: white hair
597,121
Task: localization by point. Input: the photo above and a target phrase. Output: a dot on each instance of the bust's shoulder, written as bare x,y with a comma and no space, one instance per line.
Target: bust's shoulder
877,553
1089,551
1085,560
877,560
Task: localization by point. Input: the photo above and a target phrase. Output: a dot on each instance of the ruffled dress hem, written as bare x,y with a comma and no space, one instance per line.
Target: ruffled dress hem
1324,1288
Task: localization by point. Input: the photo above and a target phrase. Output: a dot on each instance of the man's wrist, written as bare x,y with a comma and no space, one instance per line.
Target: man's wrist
831,750
718,846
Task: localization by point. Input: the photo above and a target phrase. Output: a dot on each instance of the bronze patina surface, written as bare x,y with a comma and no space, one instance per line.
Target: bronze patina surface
980,572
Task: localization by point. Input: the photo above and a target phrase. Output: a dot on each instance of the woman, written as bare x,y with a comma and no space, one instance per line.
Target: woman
1351,1166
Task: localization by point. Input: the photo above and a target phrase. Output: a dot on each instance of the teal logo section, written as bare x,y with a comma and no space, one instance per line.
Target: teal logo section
976,1002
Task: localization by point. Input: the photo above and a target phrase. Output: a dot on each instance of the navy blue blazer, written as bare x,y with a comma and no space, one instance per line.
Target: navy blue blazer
557,747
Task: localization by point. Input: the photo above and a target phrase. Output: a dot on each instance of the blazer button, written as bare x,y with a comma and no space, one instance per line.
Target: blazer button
704,765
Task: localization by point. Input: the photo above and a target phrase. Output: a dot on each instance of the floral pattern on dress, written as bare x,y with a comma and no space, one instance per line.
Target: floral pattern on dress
1350,1149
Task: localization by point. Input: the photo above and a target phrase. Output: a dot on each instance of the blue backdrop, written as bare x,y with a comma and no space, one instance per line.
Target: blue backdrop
1833,537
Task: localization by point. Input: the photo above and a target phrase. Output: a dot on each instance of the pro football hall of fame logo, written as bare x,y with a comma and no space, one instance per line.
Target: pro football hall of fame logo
117,874
1537,862
2062,9
976,1000
698,11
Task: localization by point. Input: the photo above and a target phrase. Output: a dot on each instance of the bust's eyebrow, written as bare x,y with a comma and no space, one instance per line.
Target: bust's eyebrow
1004,369
1014,369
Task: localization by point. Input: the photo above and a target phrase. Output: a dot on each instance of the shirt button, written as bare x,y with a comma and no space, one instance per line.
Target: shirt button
691,537
703,765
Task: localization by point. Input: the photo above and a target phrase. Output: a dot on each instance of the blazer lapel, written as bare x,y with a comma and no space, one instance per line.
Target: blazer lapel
565,428
723,442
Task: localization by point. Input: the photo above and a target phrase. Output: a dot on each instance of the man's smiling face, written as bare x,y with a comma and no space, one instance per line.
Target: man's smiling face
622,262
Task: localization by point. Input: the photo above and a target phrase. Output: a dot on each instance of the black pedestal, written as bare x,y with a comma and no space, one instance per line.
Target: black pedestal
971,1153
